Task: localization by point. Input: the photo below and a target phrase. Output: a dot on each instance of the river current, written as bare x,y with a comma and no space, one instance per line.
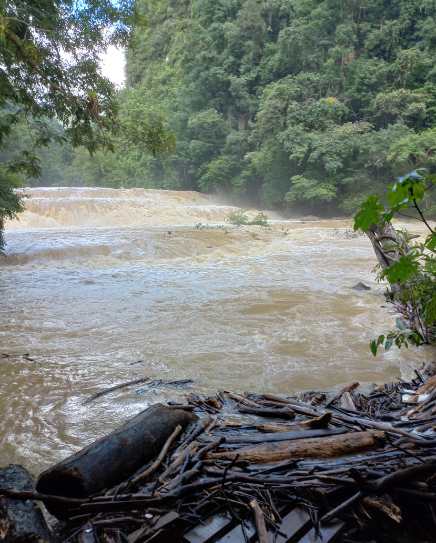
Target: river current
103,286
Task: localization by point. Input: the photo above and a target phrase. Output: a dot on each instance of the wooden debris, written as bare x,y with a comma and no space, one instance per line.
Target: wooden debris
113,458
336,396
317,447
260,522
205,486
283,413
384,506
320,422
141,380
347,402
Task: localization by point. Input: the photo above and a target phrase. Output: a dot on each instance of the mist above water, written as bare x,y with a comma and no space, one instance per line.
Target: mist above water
103,286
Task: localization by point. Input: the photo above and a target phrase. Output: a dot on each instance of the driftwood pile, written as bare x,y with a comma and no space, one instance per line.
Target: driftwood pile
363,462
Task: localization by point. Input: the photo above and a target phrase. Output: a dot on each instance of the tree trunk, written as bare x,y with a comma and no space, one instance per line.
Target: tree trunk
317,447
387,242
113,458
20,521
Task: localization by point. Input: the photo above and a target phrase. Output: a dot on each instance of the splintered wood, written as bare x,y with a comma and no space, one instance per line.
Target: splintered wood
345,465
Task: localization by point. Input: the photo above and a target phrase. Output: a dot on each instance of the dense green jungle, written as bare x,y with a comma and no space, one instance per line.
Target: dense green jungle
287,104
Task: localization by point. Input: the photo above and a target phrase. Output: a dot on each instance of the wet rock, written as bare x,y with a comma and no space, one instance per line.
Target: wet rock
20,521
361,286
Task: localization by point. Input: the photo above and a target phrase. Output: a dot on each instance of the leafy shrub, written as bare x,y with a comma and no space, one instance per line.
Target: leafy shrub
414,272
240,218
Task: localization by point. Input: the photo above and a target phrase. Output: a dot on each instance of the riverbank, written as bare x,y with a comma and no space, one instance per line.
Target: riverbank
358,465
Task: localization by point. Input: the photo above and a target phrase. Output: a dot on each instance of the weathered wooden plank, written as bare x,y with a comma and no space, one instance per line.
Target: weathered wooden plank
330,534
164,522
347,402
212,528
295,524
315,447
236,535
279,436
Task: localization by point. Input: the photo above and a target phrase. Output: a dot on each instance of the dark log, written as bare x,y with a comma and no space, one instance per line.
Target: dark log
116,387
20,521
143,476
113,458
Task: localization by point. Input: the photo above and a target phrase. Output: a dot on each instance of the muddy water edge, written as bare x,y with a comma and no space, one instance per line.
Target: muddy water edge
103,286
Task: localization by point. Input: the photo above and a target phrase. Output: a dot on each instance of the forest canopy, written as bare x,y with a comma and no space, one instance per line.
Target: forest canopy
289,104
52,91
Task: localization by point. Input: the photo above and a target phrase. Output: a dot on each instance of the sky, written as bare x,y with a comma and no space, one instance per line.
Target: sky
113,65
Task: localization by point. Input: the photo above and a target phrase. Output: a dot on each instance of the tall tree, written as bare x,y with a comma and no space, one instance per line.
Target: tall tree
50,53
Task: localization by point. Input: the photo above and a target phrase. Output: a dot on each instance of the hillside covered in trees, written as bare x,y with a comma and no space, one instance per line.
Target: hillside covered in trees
288,104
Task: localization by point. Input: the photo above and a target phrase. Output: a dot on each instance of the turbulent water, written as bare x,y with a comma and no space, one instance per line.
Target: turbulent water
103,286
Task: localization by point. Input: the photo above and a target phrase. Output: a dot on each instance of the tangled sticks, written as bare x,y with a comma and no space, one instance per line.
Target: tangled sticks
352,463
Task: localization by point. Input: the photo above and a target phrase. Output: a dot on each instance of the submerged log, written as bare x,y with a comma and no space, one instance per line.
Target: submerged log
317,447
113,458
20,521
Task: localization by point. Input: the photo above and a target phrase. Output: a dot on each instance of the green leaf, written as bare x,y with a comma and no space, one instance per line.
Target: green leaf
389,343
430,242
369,213
415,338
373,346
400,324
402,270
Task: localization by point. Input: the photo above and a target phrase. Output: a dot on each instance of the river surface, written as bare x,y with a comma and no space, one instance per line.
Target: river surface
103,286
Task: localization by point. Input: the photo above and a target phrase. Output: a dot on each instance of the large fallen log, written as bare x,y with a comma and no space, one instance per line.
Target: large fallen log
317,447
20,521
113,458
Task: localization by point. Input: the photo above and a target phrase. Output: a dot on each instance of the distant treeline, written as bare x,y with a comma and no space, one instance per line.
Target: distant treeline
287,103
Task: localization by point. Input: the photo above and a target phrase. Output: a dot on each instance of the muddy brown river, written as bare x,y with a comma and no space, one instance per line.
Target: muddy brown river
103,286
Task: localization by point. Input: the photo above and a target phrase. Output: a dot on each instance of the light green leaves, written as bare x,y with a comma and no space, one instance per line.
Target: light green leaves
430,242
407,190
413,267
369,213
400,337
404,269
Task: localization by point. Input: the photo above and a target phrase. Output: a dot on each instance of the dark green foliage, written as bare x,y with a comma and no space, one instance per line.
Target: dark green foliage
10,204
291,103
52,91
294,104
